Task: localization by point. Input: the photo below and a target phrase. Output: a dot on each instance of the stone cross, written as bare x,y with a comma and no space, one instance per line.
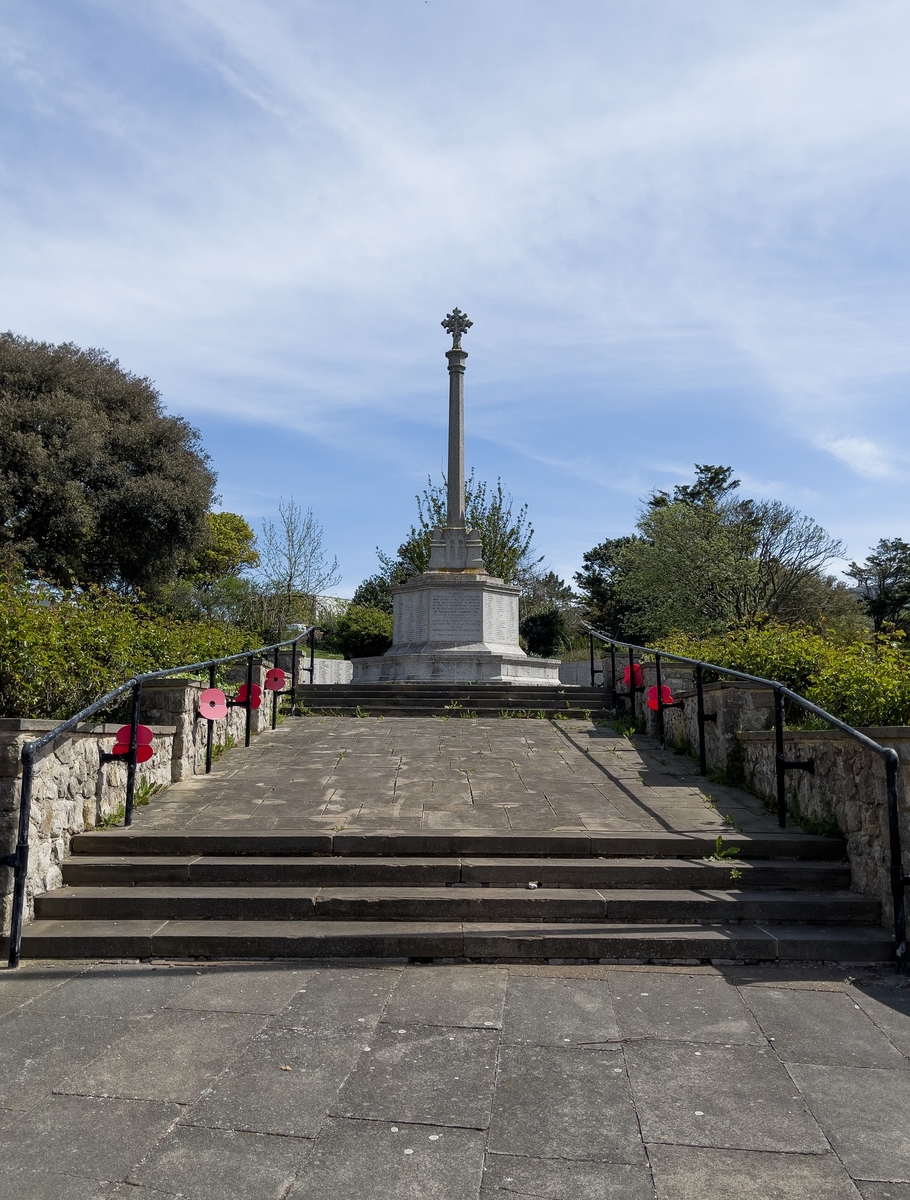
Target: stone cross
456,323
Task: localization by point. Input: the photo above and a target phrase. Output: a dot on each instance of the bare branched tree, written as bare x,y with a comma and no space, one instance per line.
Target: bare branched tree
295,568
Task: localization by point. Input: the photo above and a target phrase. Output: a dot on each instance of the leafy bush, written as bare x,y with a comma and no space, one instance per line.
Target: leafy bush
361,632
544,632
864,682
60,651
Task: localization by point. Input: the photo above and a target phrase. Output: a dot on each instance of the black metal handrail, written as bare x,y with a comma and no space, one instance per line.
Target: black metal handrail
898,877
18,860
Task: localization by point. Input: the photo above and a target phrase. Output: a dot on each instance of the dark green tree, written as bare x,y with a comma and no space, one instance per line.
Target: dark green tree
505,536
883,582
97,484
600,583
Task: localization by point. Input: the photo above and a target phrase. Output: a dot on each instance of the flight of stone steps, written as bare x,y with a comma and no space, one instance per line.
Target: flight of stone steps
478,896
451,700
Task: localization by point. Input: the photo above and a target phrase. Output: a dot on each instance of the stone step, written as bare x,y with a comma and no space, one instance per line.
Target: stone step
449,689
457,903
459,940
366,706
473,843
414,871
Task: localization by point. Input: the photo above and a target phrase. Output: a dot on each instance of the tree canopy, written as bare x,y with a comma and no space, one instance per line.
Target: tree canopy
703,558
506,536
884,583
97,484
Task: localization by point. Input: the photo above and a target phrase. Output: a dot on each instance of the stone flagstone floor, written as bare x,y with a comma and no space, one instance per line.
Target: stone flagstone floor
396,1081
301,1081
437,774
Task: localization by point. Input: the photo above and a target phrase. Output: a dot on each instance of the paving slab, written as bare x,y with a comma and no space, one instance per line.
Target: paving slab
864,1114
119,990
33,979
85,1136
700,1008
507,1176
37,1050
564,1103
827,1028
558,1012
284,1082
43,1185
889,1008
212,1164
733,1097
694,1173
449,996
171,1055
441,1076
884,1191
381,1160
243,988
339,1001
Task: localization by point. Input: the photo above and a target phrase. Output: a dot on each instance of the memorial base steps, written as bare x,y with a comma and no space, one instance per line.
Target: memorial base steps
452,700
473,896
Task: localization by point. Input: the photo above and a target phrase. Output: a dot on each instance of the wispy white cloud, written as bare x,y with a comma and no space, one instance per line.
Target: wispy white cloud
659,223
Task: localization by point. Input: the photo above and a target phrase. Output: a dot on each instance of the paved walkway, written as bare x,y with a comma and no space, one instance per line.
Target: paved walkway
438,774
307,1081
394,1082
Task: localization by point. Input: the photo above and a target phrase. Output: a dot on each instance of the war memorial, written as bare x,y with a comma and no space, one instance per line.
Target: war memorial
450,931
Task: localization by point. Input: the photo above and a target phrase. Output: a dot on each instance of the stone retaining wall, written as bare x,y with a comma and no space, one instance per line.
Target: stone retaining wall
71,791
846,792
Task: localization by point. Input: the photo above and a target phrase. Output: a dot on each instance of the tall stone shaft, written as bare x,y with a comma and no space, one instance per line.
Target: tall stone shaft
455,515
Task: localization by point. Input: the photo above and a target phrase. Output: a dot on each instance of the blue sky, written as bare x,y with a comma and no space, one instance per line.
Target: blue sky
680,231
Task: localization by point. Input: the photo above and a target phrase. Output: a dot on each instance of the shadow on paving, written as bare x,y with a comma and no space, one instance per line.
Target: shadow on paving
391,1081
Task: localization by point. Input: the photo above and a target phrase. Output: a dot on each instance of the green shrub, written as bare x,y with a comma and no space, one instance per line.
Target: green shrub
361,632
544,631
60,651
864,682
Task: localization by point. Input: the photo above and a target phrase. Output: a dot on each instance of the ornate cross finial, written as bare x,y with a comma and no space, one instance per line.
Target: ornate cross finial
457,323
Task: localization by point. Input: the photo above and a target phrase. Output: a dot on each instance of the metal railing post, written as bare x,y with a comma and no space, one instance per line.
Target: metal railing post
700,701
275,697
591,655
210,732
613,673
632,683
660,704
131,760
779,759
312,655
294,677
19,858
898,878
249,700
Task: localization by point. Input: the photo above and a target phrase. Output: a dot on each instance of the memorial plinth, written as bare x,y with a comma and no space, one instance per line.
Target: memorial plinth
455,623
456,628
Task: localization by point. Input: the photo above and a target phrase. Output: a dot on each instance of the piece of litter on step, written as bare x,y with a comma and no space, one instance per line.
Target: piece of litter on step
285,1067
409,1151
434,1137
394,1129
532,886
699,1113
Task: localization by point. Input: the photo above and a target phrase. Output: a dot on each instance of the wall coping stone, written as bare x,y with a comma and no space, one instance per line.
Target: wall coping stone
891,733
86,729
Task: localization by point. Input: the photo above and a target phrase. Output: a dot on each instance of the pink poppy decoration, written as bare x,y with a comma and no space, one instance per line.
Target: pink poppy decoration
144,738
665,694
255,698
212,704
274,679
